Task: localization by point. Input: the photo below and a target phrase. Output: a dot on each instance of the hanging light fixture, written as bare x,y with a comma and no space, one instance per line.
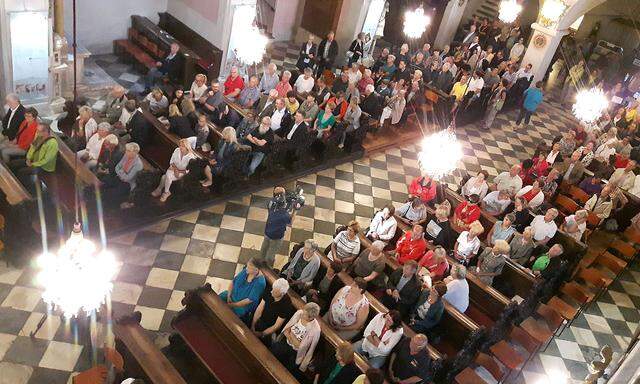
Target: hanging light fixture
551,12
415,23
253,43
509,11
78,277
590,105
440,154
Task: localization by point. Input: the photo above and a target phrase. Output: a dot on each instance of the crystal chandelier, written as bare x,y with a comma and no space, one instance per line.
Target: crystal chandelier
589,105
253,44
415,23
509,11
78,277
440,154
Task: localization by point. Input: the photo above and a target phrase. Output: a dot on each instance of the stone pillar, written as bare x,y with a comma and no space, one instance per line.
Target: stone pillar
58,17
542,47
450,22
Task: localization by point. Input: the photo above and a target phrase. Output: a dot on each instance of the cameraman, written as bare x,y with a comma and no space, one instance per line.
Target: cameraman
277,221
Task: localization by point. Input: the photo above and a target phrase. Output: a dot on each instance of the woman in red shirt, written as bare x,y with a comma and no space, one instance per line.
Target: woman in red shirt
424,188
411,246
466,213
341,105
26,133
436,263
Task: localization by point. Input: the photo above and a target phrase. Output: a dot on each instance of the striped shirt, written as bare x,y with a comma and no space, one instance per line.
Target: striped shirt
346,247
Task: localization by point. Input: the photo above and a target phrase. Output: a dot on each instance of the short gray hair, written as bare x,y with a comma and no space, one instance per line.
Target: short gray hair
111,139
460,271
378,244
370,88
133,147
286,73
312,309
281,285
13,97
104,126
309,243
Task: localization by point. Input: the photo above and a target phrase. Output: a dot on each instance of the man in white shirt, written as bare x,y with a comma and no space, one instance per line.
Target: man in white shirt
544,227
475,84
496,202
90,154
624,177
525,72
383,226
278,114
269,79
508,181
457,288
305,82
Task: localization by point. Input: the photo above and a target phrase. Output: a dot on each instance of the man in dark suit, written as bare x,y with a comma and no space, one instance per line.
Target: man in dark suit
139,127
327,52
372,102
267,104
403,288
295,131
170,66
307,57
356,48
14,116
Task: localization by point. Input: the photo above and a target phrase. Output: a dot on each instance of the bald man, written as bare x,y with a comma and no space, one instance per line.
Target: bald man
114,103
411,363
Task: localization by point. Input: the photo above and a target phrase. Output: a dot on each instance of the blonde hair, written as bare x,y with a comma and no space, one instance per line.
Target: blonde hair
133,147
311,309
201,76
156,92
187,106
229,134
111,139
501,247
174,111
354,225
85,109
476,228
581,214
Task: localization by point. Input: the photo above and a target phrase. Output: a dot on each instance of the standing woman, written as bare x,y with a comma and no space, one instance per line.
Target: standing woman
356,49
496,101
297,342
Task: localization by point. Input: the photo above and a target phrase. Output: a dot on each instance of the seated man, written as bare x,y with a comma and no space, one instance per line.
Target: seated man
383,226
410,362
413,212
274,310
170,67
546,263
211,99
429,308
508,181
90,154
544,227
457,288
283,87
115,103
158,102
260,140
41,157
278,116
411,246
249,94
403,288
299,130
496,202
233,84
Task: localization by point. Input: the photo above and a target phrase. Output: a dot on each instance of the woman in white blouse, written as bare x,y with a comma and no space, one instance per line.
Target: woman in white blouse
381,335
198,87
476,185
575,225
349,309
532,194
298,339
177,169
468,243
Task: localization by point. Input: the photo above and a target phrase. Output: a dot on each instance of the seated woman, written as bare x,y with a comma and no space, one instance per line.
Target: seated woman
522,216
413,212
298,339
346,245
502,229
245,290
179,124
177,96
221,158
117,187
411,246
110,155
466,213
303,267
328,284
383,226
496,202
338,368
325,121
429,308
468,244
522,246
436,263
476,185
532,194
424,188
158,102
575,225
274,310
370,266
381,335
177,169
491,261
82,130
19,146
349,309
439,231
601,204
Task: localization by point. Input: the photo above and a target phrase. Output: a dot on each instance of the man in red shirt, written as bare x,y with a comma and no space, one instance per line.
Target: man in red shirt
283,87
234,84
25,135
411,246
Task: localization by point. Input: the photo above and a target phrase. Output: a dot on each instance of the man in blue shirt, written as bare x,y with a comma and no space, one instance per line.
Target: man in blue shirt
277,221
532,98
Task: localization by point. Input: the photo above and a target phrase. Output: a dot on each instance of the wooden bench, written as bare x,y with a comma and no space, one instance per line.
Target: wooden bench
225,347
12,188
142,359
129,49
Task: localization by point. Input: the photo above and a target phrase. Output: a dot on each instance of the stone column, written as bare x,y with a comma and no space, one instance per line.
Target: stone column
58,17
542,47
450,22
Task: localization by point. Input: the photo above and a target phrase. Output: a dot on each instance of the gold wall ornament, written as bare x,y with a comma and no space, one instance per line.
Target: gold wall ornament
539,41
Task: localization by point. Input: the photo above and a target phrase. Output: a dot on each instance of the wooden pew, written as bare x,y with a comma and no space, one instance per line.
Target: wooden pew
329,337
162,142
142,359
226,348
12,188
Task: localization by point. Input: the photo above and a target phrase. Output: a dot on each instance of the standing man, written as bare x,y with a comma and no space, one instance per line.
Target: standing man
356,48
327,52
277,221
532,98
14,116
169,66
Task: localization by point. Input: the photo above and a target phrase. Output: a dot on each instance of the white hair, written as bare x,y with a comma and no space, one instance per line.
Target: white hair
272,66
281,285
378,244
286,73
104,126
13,97
111,139
370,88
133,147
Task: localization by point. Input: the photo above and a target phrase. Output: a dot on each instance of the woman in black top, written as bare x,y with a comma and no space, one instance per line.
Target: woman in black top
274,310
178,124
523,217
439,230
339,368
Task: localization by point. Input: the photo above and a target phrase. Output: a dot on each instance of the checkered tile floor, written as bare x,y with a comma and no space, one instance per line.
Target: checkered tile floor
161,262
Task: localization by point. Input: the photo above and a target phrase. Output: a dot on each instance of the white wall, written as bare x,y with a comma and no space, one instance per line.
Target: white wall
99,22
212,30
352,16
453,14
284,20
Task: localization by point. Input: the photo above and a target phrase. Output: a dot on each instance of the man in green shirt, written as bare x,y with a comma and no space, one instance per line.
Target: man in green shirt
548,261
41,156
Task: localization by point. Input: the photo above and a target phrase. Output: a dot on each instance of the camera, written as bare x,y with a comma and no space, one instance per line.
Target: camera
288,200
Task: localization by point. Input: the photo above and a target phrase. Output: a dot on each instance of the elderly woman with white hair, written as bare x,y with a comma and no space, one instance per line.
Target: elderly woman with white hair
84,128
298,340
177,169
522,246
118,187
303,267
575,225
198,87
274,310
109,156
91,153
491,261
